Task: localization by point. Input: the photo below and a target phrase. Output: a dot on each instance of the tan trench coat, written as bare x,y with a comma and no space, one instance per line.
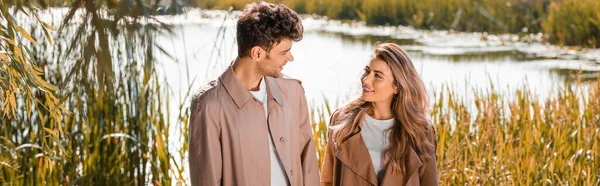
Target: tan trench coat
348,163
229,142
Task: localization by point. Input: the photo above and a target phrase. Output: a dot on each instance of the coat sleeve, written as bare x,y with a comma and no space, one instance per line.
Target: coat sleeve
429,176
205,158
310,166
327,167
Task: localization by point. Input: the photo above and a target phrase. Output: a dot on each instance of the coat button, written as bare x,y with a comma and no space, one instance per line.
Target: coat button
292,172
281,139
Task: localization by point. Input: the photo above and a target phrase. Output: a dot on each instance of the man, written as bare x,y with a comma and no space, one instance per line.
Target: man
251,125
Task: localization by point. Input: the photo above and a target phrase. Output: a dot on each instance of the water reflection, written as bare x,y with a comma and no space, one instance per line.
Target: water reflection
329,64
572,76
411,44
414,48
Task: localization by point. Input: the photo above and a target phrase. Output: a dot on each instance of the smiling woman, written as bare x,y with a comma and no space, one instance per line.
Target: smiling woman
389,123
378,76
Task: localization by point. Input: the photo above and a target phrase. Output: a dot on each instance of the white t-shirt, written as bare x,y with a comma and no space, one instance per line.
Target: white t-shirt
277,174
373,134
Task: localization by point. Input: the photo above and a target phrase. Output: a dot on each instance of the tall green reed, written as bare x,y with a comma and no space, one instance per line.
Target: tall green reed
116,130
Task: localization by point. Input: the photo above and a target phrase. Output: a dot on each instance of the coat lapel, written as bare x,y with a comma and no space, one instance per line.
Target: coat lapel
274,90
353,153
278,127
413,163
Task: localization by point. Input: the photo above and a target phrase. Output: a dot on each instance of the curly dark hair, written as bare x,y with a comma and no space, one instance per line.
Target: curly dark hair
264,24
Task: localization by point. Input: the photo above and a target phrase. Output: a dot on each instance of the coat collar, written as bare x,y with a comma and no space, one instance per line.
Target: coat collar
353,152
241,95
274,90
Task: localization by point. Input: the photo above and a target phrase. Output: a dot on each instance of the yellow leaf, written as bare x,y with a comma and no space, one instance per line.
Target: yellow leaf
45,84
11,99
9,41
6,109
37,69
28,106
48,26
40,116
25,34
53,133
17,53
50,166
49,40
4,57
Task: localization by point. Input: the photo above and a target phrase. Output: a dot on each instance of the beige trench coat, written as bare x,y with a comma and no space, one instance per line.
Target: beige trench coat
229,142
348,163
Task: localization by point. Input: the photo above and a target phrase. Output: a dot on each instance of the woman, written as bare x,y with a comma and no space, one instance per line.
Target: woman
383,137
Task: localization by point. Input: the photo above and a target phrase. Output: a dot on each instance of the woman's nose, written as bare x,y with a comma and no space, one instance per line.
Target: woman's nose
365,80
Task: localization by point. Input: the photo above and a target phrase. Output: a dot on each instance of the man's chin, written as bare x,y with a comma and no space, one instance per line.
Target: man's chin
275,75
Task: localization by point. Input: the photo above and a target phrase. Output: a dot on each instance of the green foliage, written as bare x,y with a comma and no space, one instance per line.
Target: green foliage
19,73
574,22
116,130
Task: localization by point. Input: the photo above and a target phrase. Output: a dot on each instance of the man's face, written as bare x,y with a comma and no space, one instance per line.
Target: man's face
273,62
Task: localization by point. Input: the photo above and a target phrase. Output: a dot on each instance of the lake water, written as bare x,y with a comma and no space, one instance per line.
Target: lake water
331,56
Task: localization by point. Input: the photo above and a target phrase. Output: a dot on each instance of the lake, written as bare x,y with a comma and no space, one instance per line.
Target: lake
332,55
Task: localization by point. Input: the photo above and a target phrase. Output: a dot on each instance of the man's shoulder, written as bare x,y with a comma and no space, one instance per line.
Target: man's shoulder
207,93
290,83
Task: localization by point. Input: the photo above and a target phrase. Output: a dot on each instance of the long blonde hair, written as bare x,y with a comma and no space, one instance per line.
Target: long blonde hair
409,107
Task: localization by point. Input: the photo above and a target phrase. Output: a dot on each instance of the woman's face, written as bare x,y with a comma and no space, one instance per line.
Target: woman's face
378,82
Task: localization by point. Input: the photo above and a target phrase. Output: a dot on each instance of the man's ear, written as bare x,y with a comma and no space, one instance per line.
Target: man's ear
257,53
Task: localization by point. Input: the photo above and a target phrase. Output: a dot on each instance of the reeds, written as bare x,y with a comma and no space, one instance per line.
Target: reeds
512,139
115,126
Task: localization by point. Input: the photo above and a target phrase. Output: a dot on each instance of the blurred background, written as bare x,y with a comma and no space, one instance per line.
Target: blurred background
98,92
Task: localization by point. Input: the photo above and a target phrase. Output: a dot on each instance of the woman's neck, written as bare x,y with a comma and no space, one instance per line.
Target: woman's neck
381,110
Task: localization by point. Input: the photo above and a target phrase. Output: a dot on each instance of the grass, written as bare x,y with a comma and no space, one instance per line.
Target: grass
115,126
511,139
